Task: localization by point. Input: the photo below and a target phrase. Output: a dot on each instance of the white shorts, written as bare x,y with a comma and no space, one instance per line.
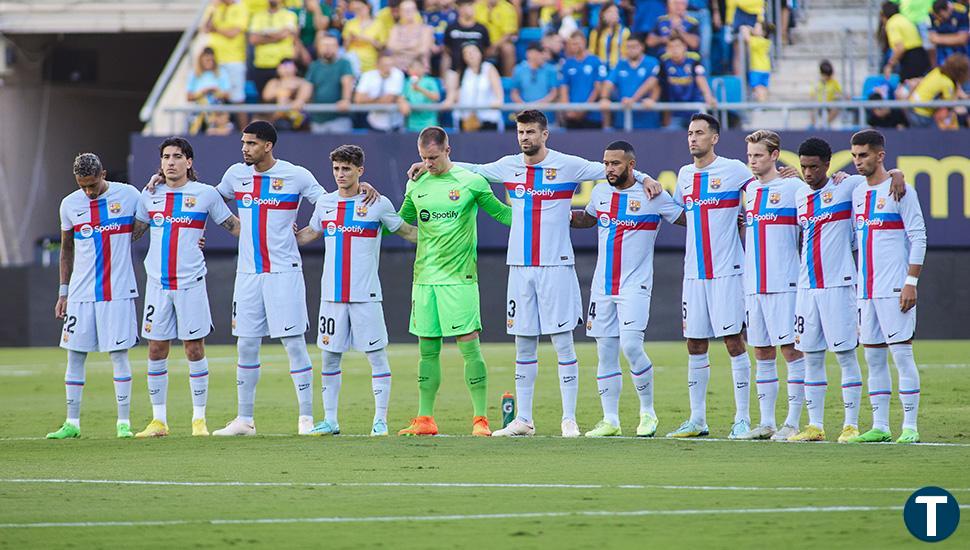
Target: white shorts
881,322
608,315
100,326
543,300
713,308
269,304
236,73
171,314
826,319
770,319
358,325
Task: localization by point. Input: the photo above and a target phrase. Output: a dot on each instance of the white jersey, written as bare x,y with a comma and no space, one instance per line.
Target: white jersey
627,226
891,236
828,234
176,219
267,204
102,227
541,196
352,237
771,236
711,196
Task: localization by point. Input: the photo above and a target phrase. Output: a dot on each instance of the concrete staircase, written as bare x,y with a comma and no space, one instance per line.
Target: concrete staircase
837,30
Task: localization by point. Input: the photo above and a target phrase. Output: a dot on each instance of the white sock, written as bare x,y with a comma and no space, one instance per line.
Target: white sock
247,376
301,370
158,388
816,383
122,377
568,373
851,386
795,384
766,379
641,369
609,377
331,378
380,382
698,375
908,382
741,372
74,385
880,386
526,371
199,384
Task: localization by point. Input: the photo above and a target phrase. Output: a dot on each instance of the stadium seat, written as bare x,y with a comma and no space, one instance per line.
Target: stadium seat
878,82
527,35
507,83
727,89
252,95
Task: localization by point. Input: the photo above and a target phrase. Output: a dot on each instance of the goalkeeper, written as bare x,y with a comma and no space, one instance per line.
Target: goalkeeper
444,203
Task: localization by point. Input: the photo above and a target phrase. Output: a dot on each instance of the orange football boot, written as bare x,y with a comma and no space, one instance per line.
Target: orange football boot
480,427
422,425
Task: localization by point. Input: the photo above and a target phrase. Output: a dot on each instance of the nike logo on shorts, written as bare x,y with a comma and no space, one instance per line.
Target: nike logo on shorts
625,323
563,324
194,331
288,328
727,326
455,327
784,336
119,342
374,342
894,334
837,344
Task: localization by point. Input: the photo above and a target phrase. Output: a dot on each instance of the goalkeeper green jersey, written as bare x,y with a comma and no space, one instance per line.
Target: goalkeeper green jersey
445,208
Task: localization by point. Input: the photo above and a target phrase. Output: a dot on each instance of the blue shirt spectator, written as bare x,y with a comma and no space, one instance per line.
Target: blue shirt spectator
675,20
534,80
627,79
438,18
679,77
582,74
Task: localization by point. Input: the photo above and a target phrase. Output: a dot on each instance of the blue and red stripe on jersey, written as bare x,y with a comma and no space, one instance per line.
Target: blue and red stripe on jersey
261,201
534,193
102,226
703,201
817,215
761,217
620,223
867,223
345,229
174,219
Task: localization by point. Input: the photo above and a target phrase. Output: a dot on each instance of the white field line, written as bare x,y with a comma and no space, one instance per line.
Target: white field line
457,485
466,517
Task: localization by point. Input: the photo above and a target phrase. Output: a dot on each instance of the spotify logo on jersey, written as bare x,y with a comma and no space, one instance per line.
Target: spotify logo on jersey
425,215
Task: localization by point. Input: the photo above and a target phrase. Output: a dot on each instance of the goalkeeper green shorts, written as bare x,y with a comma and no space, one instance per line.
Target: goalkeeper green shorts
445,310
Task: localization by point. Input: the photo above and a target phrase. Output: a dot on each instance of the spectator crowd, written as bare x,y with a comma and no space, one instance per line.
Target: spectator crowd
471,56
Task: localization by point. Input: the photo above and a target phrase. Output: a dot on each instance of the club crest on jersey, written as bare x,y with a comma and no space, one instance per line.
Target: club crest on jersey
550,173
634,206
774,198
189,202
715,183
827,197
361,210
881,203
277,184
454,194
115,207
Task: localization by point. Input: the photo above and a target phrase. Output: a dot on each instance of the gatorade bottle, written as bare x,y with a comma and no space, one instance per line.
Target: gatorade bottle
508,409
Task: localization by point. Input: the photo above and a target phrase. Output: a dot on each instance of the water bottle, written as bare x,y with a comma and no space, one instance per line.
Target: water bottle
508,409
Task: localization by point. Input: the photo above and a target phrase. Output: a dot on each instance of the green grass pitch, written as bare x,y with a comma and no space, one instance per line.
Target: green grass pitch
279,490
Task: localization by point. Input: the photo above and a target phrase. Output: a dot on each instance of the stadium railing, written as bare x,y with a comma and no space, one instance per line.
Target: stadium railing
786,108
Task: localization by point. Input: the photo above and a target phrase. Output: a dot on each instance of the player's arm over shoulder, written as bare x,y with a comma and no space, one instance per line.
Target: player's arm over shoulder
488,202
669,209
